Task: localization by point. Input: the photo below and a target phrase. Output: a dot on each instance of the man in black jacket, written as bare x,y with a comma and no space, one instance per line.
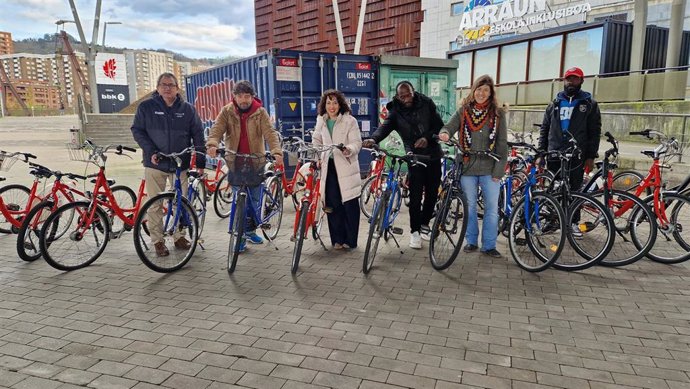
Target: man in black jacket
572,113
167,124
415,118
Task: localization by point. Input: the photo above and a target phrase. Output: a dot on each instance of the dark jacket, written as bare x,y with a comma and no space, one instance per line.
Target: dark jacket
419,121
159,128
585,125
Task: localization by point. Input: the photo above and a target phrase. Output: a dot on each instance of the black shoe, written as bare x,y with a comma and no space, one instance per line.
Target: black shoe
470,248
492,253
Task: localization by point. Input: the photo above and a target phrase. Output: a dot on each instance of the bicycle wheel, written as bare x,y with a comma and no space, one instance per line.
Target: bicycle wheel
674,236
28,246
237,231
84,240
198,203
504,208
634,225
177,222
448,231
376,230
368,194
222,197
125,199
272,208
590,232
303,212
536,232
319,221
15,197
628,181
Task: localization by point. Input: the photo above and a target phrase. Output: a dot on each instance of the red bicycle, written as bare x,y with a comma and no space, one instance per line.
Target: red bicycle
88,223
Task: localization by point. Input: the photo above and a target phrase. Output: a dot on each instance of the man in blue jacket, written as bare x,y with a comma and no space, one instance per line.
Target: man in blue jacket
573,113
167,124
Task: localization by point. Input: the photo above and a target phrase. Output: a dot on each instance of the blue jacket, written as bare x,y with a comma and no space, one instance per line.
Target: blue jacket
585,125
159,128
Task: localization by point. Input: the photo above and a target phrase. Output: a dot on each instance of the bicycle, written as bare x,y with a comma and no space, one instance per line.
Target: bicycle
591,233
310,213
535,229
387,207
246,171
90,230
15,199
182,215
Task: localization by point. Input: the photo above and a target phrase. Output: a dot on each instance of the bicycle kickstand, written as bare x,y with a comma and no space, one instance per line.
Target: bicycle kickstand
395,240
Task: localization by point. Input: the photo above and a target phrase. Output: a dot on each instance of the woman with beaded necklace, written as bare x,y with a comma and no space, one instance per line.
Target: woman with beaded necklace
481,126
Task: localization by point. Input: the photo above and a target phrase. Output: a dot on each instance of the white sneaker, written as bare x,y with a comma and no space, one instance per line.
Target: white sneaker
425,233
415,240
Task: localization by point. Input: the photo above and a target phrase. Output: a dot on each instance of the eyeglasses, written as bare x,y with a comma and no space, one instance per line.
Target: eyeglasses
162,85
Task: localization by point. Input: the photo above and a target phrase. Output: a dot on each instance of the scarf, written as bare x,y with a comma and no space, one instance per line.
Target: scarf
475,117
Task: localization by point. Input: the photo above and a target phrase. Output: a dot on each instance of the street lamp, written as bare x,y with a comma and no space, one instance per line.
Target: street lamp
105,26
63,21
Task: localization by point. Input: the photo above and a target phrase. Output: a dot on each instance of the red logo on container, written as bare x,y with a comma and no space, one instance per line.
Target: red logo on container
292,62
109,68
363,66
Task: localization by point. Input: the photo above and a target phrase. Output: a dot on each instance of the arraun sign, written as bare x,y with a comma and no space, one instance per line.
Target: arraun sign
482,18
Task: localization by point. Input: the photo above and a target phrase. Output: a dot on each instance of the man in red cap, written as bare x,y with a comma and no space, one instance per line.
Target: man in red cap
573,113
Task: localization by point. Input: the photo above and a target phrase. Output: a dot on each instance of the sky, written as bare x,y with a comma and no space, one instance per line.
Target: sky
195,28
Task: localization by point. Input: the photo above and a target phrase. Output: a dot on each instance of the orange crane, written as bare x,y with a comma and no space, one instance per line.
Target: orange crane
75,62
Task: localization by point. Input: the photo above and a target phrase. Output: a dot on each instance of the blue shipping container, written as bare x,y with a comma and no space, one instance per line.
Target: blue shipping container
290,84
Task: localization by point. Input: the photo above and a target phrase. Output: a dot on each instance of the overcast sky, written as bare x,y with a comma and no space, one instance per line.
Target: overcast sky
196,28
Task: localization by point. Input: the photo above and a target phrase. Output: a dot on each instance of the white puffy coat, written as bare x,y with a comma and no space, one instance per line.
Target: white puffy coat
345,131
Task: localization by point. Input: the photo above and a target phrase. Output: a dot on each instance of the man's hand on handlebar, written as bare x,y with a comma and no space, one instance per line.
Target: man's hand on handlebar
443,137
212,151
155,159
368,143
420,143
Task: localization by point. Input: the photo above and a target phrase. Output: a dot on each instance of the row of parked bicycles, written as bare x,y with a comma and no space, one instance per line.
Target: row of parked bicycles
615,219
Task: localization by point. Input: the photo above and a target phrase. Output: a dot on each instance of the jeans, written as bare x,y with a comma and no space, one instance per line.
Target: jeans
255,196
490,190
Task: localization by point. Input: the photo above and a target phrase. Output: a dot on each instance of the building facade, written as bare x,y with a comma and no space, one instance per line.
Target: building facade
390,26
41,74
143,69
6,45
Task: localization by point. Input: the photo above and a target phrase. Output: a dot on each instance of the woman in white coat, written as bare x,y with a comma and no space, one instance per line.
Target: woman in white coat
340,176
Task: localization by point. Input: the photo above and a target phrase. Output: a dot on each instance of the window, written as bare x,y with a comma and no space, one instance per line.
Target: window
513,63
486,62
453,45
583,49
545,58
464,69
457,8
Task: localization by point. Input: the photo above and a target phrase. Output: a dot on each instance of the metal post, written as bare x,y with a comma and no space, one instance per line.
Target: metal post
675,34
2,100
301,95
105,26
338,27
89,51
682,139
360,25
639,33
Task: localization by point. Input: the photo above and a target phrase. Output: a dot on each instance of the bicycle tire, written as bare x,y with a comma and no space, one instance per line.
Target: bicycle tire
222,197
185,220
70,259
589,249
300,235
28,236
237,231
677,225
272,207
445,229
121,194
367,197
544,240
376,230
198,203
632,223
15,201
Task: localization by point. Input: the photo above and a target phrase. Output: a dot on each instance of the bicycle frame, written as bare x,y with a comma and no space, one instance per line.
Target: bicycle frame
210,183
102,189
312,194
392,183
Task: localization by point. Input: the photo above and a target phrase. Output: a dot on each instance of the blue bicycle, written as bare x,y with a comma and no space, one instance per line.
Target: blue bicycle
387,206
175,216
245,171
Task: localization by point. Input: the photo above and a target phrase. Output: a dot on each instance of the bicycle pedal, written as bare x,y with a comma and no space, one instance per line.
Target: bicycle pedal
328,209
13,207
521,242
29,246
292,239
265,226
397,230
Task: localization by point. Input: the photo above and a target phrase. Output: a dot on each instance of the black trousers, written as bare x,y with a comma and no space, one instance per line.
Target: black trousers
423,181
343,222
575,176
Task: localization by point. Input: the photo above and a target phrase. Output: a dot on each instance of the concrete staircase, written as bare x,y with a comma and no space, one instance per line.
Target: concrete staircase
105,129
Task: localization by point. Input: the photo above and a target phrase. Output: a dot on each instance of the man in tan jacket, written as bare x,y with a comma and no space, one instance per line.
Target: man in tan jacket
246,126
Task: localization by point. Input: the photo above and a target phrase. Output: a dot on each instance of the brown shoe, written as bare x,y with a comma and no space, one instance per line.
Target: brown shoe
161,250
182,244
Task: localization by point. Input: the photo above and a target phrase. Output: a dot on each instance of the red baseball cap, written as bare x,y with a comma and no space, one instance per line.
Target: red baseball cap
574,71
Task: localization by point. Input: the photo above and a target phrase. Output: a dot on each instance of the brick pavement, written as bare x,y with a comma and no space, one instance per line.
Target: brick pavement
482,323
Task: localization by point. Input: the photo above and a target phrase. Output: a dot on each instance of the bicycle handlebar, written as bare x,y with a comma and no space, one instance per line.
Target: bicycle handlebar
453,142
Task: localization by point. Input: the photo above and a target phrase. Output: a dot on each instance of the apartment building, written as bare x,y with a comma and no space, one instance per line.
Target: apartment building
6,45
143,69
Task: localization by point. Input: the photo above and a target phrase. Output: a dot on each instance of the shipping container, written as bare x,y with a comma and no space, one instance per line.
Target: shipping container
290,84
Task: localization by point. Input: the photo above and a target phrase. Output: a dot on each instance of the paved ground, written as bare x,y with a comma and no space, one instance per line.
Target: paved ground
482,323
